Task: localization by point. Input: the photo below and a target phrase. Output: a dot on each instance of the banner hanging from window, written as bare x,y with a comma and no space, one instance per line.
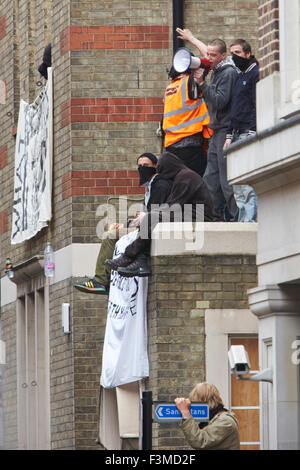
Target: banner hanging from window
32,207
125,355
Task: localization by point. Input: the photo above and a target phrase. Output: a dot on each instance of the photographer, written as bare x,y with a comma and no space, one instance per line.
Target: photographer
220,433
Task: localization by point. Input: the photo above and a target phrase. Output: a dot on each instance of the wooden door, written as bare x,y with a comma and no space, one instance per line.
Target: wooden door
245,397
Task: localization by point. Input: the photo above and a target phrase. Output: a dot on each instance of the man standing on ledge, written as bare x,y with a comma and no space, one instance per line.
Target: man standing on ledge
243,119
218,96
186,121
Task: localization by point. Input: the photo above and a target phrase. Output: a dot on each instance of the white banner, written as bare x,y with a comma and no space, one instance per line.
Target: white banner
125,355
33,167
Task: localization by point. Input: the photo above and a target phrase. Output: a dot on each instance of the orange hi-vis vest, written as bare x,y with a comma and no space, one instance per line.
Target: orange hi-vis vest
182,116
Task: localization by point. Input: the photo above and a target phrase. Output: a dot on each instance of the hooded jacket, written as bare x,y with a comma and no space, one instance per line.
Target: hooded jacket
188,187
221,433
218,93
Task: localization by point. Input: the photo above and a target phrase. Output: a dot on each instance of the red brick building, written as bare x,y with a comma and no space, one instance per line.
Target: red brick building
109,63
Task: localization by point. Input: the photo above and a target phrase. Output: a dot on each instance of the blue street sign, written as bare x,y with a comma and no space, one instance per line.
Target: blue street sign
169,413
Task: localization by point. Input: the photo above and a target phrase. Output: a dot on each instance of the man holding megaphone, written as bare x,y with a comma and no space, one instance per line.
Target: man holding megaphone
218,97
186,119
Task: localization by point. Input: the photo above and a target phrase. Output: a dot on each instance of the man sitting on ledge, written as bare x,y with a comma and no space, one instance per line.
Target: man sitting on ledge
157,192
188,189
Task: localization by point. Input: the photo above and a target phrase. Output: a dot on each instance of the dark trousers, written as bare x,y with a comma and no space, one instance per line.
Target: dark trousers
215,177
193,157
142,244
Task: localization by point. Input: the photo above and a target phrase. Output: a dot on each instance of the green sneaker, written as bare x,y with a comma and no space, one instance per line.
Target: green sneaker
92,287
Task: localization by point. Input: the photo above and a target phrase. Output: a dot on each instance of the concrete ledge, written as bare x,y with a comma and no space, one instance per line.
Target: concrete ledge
268,160
76,260
271,300
204,238
28,269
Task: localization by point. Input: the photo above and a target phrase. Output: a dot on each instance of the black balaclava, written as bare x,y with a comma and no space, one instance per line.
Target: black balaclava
241,62
146,173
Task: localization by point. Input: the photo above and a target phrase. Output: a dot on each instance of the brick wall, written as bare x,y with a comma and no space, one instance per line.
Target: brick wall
3,222
114,37
268,37
61,372
3,156
9,374
181,288
228,20
75,368
2,27
28,28
85,183
89,321
111,110
118,66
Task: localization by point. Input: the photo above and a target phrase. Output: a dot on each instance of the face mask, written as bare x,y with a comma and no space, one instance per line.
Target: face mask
146,172
241,62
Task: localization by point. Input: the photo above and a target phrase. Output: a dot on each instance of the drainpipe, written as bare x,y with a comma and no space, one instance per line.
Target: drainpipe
177,23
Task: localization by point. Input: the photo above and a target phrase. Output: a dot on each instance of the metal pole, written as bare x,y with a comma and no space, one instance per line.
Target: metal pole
177,23
147,420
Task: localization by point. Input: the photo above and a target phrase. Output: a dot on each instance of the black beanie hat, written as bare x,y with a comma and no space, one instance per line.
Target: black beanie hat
151,157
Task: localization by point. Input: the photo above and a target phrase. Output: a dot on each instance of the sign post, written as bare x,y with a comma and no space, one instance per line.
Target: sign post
147,420
165,412
169,413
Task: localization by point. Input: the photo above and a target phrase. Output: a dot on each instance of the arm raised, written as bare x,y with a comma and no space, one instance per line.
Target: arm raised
187,35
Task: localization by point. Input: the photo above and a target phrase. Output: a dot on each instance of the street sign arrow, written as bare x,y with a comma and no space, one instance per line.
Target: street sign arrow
169,413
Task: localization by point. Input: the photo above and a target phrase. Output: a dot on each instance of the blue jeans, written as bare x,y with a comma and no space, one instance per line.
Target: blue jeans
245,196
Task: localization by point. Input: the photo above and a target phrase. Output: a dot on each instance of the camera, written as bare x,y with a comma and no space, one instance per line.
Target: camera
238,360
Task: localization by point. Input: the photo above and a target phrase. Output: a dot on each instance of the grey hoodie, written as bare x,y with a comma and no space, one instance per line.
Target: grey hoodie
218,93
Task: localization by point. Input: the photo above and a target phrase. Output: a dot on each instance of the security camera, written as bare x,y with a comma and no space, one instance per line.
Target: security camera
239,360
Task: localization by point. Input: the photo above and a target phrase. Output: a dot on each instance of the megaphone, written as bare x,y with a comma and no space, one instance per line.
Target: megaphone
183,60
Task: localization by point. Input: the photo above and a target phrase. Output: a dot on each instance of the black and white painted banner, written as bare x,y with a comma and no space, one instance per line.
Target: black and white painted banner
33,167
125,355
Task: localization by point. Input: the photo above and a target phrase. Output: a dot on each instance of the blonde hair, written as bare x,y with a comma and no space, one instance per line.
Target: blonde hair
206,392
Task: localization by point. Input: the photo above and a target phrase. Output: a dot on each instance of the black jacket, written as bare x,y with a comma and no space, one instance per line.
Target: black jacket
159,192
243,110
188,187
